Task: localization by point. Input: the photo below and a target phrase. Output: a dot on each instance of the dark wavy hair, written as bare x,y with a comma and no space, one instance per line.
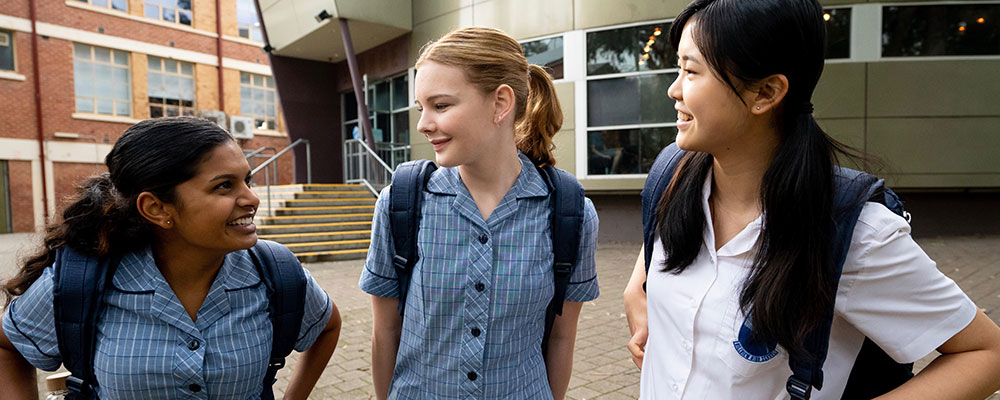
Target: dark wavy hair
102,219
788,289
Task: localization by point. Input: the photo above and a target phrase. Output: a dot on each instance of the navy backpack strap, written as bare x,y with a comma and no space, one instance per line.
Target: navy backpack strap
567,201
78,296
286,288
656,183
851,190
408,183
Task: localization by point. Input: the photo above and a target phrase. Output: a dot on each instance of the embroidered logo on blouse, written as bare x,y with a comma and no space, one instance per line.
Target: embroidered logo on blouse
753,350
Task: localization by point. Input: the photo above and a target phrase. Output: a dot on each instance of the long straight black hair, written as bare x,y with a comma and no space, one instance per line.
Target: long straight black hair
788,290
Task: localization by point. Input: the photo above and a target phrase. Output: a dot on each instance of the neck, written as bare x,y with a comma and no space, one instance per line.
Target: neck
183,267
738,171
493,173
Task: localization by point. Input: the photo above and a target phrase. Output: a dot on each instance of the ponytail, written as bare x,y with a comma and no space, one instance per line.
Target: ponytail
542,118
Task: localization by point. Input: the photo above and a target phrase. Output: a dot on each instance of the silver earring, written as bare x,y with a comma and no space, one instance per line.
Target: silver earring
758,108
169,222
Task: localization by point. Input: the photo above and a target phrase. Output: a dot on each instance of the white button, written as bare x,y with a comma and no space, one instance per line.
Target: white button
675,387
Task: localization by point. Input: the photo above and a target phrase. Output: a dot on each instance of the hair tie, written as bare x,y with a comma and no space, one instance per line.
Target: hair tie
806,108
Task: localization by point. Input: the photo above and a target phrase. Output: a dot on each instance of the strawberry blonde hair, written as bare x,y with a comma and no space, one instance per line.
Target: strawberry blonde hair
491,58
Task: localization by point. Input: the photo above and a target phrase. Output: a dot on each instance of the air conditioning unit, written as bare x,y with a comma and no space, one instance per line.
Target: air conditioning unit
241,127
216,116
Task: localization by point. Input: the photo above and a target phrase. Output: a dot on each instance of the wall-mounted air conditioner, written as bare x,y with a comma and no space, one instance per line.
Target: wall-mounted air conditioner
241,127
216,116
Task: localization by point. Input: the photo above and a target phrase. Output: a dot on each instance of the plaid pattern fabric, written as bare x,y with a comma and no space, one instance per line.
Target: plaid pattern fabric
475,311
147,345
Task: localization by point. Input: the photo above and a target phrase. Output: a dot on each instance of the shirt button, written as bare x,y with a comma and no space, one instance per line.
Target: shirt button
194,387
480,286
193,345
472,375
475,332
483,238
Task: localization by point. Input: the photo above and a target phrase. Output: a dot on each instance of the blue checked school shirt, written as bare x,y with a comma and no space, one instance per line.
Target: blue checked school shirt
475,310
147,345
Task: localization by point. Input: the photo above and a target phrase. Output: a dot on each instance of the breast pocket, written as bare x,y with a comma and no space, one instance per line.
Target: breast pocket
744,354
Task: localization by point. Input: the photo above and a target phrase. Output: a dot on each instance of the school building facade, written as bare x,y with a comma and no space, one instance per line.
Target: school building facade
98,66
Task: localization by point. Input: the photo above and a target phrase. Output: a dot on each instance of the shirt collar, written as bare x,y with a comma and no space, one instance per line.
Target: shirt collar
137,272
446,181
742,243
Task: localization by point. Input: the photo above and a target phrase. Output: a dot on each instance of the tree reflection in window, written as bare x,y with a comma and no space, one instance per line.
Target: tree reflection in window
630,49
941,30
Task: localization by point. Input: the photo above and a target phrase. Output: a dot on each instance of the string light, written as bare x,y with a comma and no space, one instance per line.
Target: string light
649,46
981,20
826,16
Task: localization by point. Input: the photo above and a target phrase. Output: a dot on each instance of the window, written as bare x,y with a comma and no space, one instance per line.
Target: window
838,32
246,20
120,5
101,80
177,11
388,111
629,115
7,51
259,100
171,87
547,53
941,30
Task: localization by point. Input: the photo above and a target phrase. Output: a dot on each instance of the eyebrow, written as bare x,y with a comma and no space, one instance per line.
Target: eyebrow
432,98
223,177
690,57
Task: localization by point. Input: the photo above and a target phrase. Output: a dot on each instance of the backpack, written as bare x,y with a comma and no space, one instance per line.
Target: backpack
874,372
566,198
81,280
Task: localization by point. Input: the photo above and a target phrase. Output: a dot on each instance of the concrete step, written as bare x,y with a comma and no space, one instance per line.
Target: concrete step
296,203
311,237
311,228
309,247
315,187
336,255
313,219
335,194
277,212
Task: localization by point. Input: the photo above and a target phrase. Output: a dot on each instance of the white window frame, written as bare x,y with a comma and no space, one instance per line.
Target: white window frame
114,102
181,109
177,12
250,113
109,6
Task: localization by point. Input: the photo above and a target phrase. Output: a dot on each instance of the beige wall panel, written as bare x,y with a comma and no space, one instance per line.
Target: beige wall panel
135,7
231,89
565,92
229,23
847,131
565,150
597,13
424,10
140,88
839,2
437,27
934,88
204,15
841,91
938,146
613,185
206,78
545,18
919,182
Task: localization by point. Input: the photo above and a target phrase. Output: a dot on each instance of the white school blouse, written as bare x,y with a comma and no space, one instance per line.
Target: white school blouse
890,291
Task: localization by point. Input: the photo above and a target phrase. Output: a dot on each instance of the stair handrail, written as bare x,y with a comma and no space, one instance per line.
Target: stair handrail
267,164
373,157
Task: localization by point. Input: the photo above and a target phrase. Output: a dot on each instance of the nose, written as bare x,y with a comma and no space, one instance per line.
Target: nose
674,91
425,124
249,199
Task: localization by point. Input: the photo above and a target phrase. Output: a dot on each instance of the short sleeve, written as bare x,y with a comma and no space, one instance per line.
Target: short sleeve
379,276
29,324
893,293
583,282
317,311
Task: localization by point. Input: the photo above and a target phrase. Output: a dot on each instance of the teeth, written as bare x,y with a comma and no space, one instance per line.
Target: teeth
682,116
242,221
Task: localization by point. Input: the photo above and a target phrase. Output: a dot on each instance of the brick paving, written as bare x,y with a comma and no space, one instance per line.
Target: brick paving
602,367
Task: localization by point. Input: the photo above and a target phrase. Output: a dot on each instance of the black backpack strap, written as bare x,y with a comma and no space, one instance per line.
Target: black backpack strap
851,190
657,181
567,202
78,296
286,289
408,183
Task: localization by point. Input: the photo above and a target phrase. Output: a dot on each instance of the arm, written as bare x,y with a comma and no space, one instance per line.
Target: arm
559,358
635,310
968,368
312,362
19,376
386,328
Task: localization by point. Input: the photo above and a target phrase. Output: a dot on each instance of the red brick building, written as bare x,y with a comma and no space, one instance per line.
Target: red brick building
106,64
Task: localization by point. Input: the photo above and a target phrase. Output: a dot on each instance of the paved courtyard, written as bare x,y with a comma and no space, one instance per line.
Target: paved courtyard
602,367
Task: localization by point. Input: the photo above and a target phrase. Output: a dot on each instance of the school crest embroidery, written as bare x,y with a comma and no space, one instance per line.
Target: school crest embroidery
753,350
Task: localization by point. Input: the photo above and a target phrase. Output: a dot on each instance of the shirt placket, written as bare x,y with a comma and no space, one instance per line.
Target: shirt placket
478,291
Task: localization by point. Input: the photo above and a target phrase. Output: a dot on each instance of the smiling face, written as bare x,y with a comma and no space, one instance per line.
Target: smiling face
710,117
455,116
213,211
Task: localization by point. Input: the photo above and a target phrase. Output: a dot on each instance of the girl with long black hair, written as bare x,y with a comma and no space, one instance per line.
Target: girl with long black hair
745,230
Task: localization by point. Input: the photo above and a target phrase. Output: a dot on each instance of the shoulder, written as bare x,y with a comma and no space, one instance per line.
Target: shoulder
877,224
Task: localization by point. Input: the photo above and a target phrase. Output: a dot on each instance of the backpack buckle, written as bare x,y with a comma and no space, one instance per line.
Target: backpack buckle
798,388
562,267
77,385
400,261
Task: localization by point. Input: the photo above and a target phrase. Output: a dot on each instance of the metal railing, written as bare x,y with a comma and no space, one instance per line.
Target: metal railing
372,167
269,166
251,155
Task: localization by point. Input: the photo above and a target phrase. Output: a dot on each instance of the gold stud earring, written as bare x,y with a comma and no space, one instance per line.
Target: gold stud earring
758,108
169,222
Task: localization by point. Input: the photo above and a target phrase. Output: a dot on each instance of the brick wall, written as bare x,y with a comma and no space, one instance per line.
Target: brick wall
67,176
17,109
206,80
22,210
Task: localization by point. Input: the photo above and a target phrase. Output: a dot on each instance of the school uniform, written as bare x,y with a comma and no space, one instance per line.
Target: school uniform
475,309
699,345
147,345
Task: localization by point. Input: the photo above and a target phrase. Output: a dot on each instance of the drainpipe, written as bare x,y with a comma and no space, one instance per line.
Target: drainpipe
359,89
38,108
218,51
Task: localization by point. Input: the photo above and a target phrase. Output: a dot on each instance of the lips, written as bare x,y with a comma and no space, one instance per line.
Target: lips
440,143
683,116
241,221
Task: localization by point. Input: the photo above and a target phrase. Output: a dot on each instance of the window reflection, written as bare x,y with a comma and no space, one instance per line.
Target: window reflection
547,53
631,49
941,30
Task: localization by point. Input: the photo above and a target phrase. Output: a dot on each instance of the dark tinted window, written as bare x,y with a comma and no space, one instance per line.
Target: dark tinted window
941,30
635,48
838,32
547,53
